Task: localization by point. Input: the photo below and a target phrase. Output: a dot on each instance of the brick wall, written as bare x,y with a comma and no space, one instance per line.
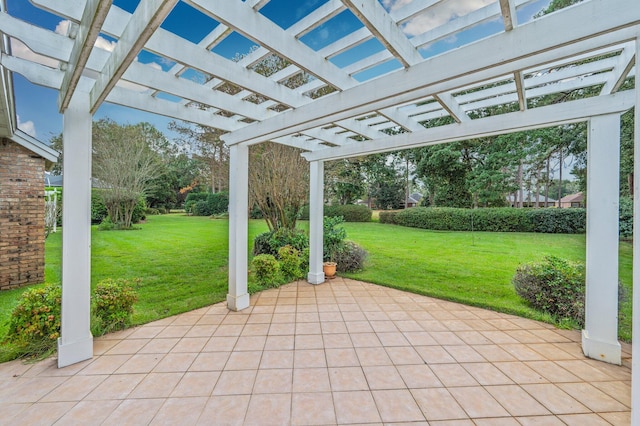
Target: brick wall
21,216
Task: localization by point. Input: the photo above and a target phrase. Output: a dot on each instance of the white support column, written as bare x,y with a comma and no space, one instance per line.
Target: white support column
600,336
76,342
316,218
238,297
635,360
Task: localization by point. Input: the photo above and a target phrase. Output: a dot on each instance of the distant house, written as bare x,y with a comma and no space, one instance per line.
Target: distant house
51,179
414,200
571,200
530,200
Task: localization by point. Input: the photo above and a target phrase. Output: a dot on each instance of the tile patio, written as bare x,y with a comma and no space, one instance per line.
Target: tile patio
344,352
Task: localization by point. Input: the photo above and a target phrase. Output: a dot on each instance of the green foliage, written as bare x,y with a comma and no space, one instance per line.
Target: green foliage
34,326
201,208
290,263
267,270
626,217
218,202
388,217
558,221
98,208
349,212
113,304
334,236
555,286
270,242
350,257
107,224
192,199
566,221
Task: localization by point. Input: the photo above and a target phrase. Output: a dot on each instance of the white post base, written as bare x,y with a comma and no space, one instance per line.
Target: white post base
71,353
610,352
238,303
315,277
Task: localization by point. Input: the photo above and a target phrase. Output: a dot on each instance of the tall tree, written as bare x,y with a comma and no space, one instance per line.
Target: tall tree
125,164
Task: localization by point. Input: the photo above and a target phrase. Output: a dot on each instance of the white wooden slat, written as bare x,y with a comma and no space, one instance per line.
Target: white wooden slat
39,40
316,18
328,136
145,20
420,118
300,142
412,9
531,43
508,11
359,128
378,21
518,79
401,119
35,73
93,17
452,106
625,62
548,116
260,29
368,62
345,43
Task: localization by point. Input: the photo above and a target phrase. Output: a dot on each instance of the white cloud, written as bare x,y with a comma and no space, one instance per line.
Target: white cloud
155,66
63,27
437,15
105,44
28,127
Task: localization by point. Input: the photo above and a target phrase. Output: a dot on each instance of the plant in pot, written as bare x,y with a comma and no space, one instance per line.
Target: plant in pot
329,269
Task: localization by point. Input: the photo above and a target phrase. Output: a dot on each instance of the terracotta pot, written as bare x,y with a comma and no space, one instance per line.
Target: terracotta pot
329,269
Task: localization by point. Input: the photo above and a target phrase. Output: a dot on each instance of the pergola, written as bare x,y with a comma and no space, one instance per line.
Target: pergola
341,111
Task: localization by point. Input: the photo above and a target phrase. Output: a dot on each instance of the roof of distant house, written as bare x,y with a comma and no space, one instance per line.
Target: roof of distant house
573,198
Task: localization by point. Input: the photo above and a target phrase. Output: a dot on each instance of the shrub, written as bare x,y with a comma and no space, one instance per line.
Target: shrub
106,224
290,262
349,212
218,203
34,326
388,216
113,304
267,270
270,242
334,236
98,208
555,286
201,208
626,217
558,221
192,199
350,257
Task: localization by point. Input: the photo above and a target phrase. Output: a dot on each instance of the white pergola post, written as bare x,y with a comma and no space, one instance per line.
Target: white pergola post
600,335
635,360
316,217
238,297
76,342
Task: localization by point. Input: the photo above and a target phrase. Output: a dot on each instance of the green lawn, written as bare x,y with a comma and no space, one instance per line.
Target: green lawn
182,262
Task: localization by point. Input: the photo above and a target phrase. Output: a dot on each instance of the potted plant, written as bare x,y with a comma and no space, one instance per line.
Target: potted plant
329,269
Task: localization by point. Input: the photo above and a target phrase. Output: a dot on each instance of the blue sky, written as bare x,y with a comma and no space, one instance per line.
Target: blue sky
37,107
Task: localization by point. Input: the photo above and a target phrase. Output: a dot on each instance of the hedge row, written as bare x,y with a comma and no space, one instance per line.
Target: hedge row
552,221
350,212
206,204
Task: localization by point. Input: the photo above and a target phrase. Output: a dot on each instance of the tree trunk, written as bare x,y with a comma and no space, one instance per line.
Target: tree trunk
520,184
546,188
560,181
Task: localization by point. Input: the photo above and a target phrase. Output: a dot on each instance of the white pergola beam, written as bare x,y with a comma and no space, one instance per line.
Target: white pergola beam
401,119
547,116
412,9
316,216
518,78
359,128
508,11
345,43
316,18
378,21
485,59
39,40
93,17
260,29
625,63
328,136
145,20
452,106
635,326
300,142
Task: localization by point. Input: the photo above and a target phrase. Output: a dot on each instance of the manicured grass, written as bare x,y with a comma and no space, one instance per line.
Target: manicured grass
472,268
182,261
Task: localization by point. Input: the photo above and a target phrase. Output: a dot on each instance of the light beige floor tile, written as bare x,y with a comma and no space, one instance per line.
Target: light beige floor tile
220,344
277,343
619,390
276,359
347,379
331,327
397,406
201,330
159,346
464,353
403,355
282,329
486,374
540,421
210,361
335,341
228,330
89,412
554,399
175,362
365,340
494,353
274,381
453,375
250,343
249,360
185,411
309,358
274,409
473,338
308,328
342,357
418,376
446,338
225,410
311,380
438,404
44,413
520,373
393,338
591,397
156,385
146,332
373,356
477,402
105,364
140,363
516,401
552,371
117,386
583,420
190,344
192,384
235,382
355,407
312,409
434,355
134,412
74,389
384,377
496,421
308,341
618,418
174,331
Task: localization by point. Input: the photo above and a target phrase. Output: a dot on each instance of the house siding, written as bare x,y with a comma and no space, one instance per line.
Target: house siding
22,216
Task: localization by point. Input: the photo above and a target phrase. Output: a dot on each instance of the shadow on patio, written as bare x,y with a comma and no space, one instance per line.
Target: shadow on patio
343,352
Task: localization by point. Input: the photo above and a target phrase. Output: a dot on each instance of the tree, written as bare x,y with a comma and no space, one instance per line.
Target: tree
344,180
125,164
278,183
